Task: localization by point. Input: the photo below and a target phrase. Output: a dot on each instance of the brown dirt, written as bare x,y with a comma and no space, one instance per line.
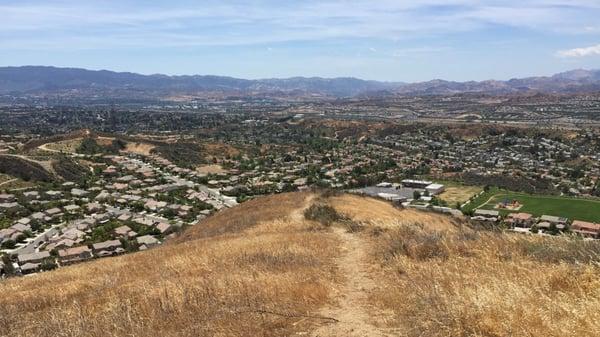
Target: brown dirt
139,148
211,169
354,315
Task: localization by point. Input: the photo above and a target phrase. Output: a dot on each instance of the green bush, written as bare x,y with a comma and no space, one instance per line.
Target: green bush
48,264
9,244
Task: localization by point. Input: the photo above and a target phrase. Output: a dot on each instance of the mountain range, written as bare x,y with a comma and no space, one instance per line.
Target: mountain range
49,80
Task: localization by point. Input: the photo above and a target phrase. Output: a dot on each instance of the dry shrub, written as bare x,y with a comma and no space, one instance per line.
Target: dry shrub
417,243
568,250
353,226
322,213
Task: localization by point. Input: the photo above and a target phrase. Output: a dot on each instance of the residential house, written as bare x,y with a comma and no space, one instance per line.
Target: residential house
29,268
154,205
147,241
108,248
54,212
547,221
73,234
74,255
72,209
54,194
40,217
32,257
435,189
93,207
484,215
164,228
31,195
587,229
19,227
9,206
520,219
8,234
124,217
4,198
125,232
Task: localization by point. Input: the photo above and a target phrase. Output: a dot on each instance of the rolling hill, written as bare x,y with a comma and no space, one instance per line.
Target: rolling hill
38,80
320,264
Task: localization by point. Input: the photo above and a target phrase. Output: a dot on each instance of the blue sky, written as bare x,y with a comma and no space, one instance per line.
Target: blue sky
391,40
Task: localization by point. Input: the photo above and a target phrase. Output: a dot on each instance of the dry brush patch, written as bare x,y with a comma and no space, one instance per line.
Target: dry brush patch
142,148
245,283
468,283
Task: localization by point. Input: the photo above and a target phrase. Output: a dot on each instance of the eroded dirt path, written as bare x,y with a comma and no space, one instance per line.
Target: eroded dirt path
355,316
298,214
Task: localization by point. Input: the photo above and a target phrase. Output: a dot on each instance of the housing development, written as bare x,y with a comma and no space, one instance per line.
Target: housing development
129,204
75,196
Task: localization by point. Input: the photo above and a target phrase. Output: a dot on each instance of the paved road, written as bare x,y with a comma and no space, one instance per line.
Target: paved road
31,246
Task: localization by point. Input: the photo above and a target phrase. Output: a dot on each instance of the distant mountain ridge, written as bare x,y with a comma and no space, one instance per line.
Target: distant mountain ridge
42,79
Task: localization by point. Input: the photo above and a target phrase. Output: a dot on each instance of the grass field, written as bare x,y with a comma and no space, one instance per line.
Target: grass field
458,193
580,209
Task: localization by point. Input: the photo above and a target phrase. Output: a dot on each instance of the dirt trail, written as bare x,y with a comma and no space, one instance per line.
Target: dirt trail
355,317
298,214
8,182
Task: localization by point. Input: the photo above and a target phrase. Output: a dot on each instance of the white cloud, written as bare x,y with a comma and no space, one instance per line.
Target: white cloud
419,51
580,52
37,24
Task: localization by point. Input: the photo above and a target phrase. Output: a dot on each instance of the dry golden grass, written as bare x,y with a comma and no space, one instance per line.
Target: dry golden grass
240,284
247,215
483,284
383,214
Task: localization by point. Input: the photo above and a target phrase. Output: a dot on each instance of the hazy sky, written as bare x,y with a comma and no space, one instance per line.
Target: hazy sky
391,40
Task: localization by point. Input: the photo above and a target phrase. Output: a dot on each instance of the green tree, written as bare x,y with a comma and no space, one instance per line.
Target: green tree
416,195
9,244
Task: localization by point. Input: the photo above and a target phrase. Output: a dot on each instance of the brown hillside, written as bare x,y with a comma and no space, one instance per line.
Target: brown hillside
358,267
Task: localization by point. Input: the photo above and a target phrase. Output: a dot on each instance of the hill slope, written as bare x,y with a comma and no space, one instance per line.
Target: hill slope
319,265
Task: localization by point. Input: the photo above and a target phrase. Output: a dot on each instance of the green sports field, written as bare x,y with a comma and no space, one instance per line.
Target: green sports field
579,209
